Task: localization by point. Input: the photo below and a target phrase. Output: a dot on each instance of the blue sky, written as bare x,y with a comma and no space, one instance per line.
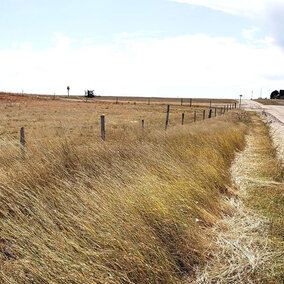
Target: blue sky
182,48
37,22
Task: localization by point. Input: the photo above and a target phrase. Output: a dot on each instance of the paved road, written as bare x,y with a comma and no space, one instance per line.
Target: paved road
274,115
274,110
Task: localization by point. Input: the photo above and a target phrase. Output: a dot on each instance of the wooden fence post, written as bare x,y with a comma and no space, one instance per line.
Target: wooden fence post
22,141
167,117
194,119
143,124
103,132
182,119
215,111
204,113
210,113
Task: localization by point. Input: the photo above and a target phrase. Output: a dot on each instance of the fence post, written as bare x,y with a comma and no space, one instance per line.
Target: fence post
143,124
215,111
22,141
194,116
190,102
210,113
167,117
204,113
103,132
182,119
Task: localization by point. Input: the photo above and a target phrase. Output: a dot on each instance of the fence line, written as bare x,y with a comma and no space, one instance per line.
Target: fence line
103,130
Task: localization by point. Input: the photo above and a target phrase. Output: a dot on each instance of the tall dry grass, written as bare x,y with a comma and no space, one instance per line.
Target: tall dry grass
131,210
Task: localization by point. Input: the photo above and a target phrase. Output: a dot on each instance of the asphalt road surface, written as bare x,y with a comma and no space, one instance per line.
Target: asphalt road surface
274,116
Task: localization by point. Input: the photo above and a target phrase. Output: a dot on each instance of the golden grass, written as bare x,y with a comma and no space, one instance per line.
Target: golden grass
139,100
248,240
267,195
130,210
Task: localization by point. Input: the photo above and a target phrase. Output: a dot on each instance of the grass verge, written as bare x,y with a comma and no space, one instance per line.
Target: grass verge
266,196
247,242
132,210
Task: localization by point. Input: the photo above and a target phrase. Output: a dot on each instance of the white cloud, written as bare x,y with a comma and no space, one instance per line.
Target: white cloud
269,12
249,34
188,66
249,8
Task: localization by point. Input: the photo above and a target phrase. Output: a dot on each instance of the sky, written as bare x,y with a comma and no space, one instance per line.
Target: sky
169,48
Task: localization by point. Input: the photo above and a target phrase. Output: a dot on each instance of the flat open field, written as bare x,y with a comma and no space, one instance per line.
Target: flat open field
173,101
47,118
147,100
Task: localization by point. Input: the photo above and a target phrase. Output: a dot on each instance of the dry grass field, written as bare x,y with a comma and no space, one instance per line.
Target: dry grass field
156,100
195,102
270,102
132,209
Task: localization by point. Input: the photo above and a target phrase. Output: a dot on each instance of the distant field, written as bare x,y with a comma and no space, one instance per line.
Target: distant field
172,101
45,117
178,101
148,100
270,102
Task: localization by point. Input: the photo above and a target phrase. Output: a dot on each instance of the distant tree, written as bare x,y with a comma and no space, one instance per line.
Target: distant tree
274,95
